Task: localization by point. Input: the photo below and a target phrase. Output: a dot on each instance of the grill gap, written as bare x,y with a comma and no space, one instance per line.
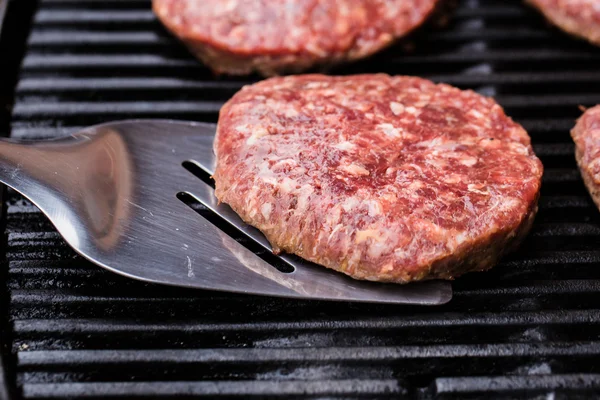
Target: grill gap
199,173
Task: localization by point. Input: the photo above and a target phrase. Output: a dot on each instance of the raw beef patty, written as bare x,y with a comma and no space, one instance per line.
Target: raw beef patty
577,17
278,36
382,178
586,135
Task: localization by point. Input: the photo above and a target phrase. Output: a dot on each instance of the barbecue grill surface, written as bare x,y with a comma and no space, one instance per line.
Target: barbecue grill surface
528,328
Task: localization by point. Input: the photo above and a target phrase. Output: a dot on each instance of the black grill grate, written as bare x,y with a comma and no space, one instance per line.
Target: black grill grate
529,328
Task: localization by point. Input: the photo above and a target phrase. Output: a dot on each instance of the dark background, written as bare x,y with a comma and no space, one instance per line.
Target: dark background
529,328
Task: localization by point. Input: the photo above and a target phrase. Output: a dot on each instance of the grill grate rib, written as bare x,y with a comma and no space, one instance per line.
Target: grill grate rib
527,329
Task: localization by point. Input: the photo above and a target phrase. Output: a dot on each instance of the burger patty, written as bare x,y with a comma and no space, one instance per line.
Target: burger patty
383,178
577,17
586,135
277,36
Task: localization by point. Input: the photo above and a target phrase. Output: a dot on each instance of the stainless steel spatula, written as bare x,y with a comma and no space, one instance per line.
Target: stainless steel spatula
111,191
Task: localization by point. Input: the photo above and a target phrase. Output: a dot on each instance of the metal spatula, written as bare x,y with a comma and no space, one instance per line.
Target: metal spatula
111,191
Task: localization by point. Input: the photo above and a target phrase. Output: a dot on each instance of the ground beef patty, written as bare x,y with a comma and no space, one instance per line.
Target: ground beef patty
276,36
577,17
383,178
586,135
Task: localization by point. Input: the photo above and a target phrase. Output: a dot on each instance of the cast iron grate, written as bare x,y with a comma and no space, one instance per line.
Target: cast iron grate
529,328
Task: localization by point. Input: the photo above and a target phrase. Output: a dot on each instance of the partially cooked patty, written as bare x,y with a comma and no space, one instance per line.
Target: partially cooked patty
382,178
277,36
586,135
577,17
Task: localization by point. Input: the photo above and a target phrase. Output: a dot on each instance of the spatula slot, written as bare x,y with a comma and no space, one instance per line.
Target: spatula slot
199,173
191,201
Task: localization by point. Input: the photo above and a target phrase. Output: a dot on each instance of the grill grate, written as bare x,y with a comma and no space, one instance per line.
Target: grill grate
528,328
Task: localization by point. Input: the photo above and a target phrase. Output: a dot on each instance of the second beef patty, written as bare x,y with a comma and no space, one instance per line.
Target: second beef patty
279,36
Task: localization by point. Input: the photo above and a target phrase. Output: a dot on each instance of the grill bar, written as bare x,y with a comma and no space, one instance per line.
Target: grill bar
510,58
96,326
219,388
62,17
54,85
57,358
518,384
